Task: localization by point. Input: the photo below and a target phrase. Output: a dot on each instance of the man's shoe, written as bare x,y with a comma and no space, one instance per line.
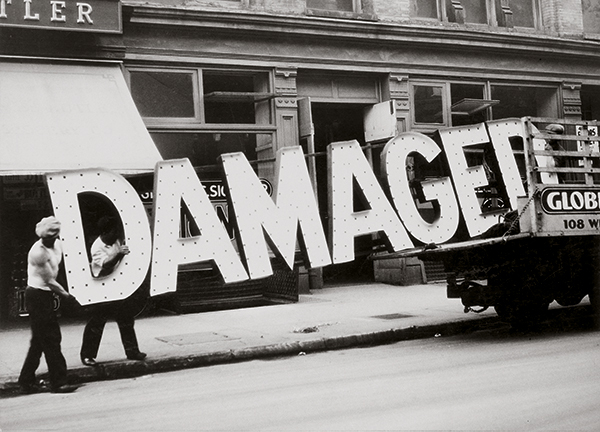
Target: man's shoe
66,388
30,389
136,356
88,361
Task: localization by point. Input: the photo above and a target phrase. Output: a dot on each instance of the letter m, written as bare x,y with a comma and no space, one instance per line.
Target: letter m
294,210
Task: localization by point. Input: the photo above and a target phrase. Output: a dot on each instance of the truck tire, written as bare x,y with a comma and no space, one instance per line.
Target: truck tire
524,314
523,298
595,305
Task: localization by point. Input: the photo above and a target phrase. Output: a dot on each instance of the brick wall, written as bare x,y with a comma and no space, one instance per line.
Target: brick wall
562,16
559,17
392,10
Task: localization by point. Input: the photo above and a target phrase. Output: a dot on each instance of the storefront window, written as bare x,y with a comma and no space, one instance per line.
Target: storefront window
458,104
215,97
204,149
236,98
428,104
523,101
467,104
163,94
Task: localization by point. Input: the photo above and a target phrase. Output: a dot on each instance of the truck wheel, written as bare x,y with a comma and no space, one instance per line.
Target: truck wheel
595,302
522,315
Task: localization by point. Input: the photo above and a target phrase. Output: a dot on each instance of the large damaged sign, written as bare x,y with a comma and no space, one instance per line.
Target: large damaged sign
290,218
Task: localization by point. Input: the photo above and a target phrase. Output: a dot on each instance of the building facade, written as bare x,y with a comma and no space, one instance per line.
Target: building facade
217,76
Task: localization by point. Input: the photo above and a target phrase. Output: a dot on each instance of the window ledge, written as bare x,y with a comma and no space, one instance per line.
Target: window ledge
223,96
341,14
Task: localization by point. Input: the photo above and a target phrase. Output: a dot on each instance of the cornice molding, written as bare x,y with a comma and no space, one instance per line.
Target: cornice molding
450,37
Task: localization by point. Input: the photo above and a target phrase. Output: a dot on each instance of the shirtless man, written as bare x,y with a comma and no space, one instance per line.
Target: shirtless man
43,262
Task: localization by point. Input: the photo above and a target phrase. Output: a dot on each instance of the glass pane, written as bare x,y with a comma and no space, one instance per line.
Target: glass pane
475,11
163,94
424,8
203,149
333,5
515,101
591,16
521,101
428,104
590,102
459,92
522,13
240,99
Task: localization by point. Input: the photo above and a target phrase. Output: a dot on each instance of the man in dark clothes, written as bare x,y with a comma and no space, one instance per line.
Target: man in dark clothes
43,263
107,252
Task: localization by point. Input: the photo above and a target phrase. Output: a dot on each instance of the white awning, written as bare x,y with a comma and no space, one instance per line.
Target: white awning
70,116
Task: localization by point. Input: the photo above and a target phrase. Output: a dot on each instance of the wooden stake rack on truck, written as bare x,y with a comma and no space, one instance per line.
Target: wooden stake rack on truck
546,249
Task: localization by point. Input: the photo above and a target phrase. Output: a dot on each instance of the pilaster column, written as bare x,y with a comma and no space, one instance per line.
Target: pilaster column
286,108
571,92
398,92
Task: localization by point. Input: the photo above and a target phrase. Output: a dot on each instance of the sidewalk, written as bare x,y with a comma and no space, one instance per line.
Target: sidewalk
330,318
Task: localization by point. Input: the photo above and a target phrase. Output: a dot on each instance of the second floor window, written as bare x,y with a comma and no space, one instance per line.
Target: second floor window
503,13
333,5
591,16
474,11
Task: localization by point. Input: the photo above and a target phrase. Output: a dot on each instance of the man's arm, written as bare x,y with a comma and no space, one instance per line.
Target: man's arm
41,261
107,259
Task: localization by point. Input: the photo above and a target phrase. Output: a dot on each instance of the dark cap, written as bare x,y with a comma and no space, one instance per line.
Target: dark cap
555,129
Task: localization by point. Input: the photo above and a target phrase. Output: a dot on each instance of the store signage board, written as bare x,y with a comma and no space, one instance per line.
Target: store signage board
100,16
287,219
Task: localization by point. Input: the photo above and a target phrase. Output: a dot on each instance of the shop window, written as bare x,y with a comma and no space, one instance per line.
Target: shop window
202,97
590,102
591,16
450,104
523,101
163,94
428,104
235,98
204,149
468,104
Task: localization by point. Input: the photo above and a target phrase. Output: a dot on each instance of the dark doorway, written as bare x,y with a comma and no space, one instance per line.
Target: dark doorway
339,122
590,102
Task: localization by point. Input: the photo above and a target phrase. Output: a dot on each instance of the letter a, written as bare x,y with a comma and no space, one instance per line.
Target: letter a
176,181
347,162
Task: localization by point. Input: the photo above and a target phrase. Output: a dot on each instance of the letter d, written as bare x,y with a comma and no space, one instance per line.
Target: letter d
64,189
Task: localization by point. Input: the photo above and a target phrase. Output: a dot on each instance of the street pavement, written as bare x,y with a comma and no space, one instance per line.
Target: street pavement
335,317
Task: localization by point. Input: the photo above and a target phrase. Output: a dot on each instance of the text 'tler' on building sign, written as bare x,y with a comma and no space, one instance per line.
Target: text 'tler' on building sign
101,16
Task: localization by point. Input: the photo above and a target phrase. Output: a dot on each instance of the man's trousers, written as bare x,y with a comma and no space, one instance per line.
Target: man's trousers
45,338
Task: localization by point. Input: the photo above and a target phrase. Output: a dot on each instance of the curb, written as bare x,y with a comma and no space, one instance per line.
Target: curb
122,369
